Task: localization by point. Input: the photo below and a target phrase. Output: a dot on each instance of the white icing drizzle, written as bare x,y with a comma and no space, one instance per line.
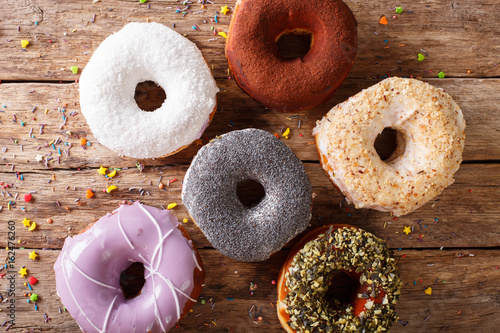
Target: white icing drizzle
108,315
156,225
179,290
172,288
157,312
196,261
160,244
86,276
123,231
74,299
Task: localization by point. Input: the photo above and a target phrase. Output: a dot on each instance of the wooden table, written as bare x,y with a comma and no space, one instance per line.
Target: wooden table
455,244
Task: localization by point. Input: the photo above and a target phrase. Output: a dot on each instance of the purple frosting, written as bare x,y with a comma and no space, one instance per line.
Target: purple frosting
89,267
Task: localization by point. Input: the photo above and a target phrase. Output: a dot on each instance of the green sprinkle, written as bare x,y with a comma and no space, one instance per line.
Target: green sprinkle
142,1
34,297
203,301
399,10
74,69
421,57
441,76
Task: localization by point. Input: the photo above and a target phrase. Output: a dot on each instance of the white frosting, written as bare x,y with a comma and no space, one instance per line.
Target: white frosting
431,135
141,52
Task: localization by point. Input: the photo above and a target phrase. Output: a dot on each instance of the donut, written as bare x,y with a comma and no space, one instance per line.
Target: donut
141,52
310,269
291,84
89,266
209,193
430,141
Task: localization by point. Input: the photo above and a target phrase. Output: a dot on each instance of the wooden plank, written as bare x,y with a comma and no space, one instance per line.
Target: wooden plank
464,290
467,212
478,98
457,37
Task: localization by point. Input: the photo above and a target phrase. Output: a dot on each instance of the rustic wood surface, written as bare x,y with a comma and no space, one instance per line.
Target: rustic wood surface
454,246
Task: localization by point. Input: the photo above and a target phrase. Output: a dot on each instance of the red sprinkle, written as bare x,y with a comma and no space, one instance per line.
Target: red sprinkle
32,280
27,197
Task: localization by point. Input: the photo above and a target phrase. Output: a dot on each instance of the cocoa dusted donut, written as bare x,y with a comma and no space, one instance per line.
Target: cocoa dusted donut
310,268
209,193
293,84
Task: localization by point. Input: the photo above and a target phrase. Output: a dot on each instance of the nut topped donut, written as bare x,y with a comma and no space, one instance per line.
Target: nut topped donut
140,52
291,84
430,141
311,269
90,265
209,193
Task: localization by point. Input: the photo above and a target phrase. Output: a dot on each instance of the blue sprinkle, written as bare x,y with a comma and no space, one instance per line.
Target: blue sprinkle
65,143
36,307
436,219
54,146
385,41
177,11
36,23
27,300
29,286
59,151
194,28
88,143
216,21
22,177
4,106
230,299
415,282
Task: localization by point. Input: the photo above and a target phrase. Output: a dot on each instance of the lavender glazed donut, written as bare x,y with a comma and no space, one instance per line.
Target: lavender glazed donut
90,264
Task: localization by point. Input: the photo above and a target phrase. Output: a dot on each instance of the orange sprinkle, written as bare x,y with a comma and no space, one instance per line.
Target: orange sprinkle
383,20
160,185
277,135
83,141
49,220
89,194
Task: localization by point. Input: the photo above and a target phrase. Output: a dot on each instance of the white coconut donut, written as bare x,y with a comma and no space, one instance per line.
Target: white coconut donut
431,135
141,52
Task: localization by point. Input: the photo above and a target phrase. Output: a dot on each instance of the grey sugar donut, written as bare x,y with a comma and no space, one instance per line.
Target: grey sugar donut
209,194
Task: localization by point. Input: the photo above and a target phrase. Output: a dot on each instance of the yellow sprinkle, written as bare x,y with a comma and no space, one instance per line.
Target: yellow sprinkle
33,226
428,291
24,43
112,174
286,133
46,110
8,206
7,248
172,205
407,230
19,241
185,220
224,10
111,188
102,170
223,34
214,323
51,142
23,272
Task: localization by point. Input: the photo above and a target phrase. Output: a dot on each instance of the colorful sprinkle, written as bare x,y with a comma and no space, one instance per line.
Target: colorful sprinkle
407,230
33,255
111,174
286,133
23,272
74,69
111,188
224,10
223,34
26,222
102,170
33,227
24,43
89,194
34,297
383,20
428,291
27,197
172,205
421,57
441,75
32,280
83,141
399,10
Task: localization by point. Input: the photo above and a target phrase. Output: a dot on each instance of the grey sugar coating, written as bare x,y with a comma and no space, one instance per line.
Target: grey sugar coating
209,194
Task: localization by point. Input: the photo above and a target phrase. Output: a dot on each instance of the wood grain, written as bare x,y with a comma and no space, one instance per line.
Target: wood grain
460,281
463,211
478,99
460,38
451,33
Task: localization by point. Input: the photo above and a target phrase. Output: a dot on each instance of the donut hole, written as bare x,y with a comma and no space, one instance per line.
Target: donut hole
132,280
250,192
341,290
389,144
149,96
294,44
